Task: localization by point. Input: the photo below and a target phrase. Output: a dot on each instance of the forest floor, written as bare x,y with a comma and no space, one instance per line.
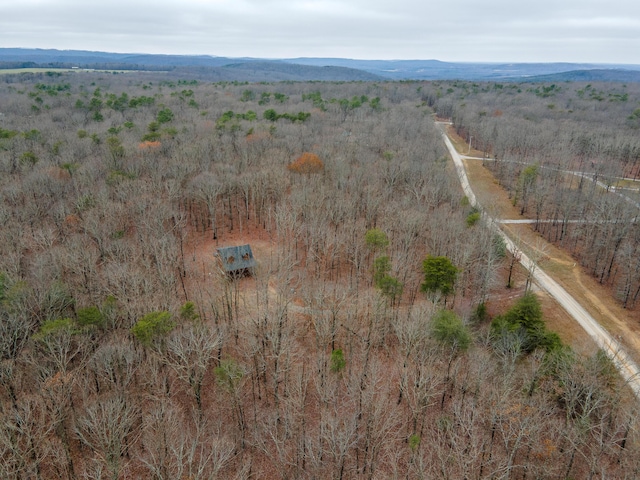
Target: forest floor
205,280
598,300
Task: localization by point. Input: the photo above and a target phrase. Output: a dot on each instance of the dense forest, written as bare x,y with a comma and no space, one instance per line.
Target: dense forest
361,346
569,155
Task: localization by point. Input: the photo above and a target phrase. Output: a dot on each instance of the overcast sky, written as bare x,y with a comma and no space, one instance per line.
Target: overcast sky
595,31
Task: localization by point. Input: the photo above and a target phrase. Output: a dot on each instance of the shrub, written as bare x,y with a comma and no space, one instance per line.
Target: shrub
271,115
448,329
381,268
376,239
55,327
164,116
526,316
337,361
439,275
473,218
152,326
90,316
390,287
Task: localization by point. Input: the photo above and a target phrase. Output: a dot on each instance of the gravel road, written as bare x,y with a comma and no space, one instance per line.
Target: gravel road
625,365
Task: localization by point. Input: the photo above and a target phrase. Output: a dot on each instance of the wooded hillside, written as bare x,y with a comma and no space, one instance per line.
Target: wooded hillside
361,346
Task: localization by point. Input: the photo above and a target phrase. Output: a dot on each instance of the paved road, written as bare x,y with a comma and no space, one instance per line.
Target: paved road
626,366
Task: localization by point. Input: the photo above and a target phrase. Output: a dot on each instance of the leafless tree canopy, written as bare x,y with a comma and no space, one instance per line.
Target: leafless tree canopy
566,154
127,352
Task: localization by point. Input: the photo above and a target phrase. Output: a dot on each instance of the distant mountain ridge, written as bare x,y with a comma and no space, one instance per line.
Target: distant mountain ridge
439,70
303,68
594,75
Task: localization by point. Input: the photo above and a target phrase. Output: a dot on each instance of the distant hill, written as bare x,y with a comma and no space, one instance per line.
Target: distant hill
198,66
81,58
596,75
437,70
291,71
304,69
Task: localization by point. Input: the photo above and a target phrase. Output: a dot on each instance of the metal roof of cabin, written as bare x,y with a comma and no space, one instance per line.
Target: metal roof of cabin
236,258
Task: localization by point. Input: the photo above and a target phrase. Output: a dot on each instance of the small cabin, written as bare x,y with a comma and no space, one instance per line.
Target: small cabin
237,261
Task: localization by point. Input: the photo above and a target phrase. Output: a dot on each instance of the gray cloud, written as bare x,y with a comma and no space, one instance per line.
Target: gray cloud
454,30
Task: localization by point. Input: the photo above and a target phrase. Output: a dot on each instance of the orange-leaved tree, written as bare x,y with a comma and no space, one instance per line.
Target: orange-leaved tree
149,145
306,163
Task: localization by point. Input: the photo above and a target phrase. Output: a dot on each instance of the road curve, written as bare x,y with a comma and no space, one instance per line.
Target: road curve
625,365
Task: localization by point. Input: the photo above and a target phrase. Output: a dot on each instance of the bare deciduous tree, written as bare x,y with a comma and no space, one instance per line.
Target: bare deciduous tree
189,350
107,426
